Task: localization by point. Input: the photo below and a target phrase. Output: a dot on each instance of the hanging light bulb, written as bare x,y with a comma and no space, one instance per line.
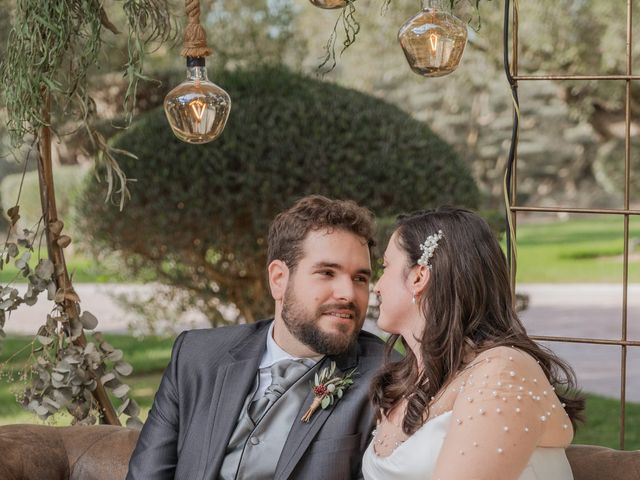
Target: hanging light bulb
197,109
329,4
433,41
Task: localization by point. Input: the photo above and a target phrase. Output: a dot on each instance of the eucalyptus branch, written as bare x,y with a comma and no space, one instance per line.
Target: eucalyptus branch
351,28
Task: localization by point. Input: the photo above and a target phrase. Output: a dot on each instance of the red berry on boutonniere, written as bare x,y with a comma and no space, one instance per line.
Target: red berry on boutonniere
327,389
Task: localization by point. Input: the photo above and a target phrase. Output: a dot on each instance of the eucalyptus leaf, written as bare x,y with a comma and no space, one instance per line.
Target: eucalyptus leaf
7,304
123,405
44,269
44,340
52,402
124,368
115,356
88,320
51,291
121,391
132,409
134,422
326,401
12,250
23,261
42,411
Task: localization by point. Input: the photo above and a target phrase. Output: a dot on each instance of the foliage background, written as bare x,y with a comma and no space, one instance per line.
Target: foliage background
199,216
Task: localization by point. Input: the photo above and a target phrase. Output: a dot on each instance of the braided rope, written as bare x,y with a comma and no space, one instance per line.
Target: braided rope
195,37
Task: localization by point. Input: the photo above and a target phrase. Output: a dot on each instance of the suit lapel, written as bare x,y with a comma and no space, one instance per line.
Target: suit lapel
233,381
302,434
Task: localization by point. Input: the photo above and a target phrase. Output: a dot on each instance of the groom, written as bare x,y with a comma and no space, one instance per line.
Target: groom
231,401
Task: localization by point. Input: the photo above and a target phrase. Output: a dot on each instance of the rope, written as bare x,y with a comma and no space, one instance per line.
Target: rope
195,38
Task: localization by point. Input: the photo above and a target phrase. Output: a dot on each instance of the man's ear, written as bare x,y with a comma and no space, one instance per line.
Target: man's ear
278,279
420,279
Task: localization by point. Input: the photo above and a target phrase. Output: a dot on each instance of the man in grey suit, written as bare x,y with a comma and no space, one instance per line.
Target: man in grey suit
231,401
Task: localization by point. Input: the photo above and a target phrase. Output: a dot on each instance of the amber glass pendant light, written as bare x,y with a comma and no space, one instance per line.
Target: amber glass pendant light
329,4
197,109
433,41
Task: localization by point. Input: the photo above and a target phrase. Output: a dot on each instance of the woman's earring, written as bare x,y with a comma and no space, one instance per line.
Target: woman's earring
413,300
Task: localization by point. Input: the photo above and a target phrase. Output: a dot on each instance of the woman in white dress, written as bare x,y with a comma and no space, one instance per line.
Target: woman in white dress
475,397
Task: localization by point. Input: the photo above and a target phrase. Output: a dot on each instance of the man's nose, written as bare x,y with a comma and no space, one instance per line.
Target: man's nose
344,289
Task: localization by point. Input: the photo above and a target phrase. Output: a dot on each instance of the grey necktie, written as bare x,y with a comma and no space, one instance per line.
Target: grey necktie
283,374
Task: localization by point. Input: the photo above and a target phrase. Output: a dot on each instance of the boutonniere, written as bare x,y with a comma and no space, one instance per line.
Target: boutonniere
327,389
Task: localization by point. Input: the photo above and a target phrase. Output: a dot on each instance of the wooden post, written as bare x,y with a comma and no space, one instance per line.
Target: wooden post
56,253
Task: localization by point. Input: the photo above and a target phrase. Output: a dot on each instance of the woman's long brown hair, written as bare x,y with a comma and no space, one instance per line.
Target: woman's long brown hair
468,301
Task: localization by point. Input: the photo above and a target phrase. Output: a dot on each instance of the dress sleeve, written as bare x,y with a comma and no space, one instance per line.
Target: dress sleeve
497,420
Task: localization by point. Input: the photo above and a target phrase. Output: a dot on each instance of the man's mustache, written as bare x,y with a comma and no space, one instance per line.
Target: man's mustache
340,306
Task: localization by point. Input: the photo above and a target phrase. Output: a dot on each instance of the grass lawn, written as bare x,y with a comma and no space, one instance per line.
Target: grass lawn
575,251
579,250
150,355
84,270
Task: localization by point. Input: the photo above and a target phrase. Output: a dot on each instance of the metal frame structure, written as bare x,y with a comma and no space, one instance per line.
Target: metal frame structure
511,69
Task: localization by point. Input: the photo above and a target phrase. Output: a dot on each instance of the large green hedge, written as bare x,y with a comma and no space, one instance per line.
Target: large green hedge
199,215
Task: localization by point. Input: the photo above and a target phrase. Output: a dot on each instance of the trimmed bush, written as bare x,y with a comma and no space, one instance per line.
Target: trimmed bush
199,215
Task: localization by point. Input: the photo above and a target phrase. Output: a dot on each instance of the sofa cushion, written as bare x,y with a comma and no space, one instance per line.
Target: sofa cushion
102,452
590,462
32,452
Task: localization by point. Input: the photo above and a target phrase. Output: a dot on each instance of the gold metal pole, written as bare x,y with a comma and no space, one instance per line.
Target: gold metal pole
594,211
625,264
576,77
514,173
594,341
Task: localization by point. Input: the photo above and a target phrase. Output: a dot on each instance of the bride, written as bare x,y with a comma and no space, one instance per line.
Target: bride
475,397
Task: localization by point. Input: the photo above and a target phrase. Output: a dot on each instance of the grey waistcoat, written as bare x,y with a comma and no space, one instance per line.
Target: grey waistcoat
253,451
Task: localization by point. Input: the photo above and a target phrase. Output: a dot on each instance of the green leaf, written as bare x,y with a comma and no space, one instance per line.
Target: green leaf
326,401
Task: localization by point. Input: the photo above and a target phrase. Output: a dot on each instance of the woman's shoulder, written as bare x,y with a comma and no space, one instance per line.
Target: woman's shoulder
502,360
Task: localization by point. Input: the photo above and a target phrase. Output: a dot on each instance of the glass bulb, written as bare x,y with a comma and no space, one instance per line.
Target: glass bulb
329,4
433,42
197,109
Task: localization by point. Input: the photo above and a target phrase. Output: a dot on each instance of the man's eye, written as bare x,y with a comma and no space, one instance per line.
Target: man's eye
362,279
326,273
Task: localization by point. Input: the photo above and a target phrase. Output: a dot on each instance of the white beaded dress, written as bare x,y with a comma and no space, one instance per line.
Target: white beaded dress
498,420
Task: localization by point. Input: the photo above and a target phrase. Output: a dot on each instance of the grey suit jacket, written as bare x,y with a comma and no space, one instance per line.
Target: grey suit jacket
202,392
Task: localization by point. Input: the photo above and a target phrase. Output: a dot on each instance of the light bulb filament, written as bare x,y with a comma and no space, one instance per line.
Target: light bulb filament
198,107
433,39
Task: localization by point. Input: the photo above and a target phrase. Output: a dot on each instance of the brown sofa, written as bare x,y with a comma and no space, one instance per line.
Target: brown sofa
36,452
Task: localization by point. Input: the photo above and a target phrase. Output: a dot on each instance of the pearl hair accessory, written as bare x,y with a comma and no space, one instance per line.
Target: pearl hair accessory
428,247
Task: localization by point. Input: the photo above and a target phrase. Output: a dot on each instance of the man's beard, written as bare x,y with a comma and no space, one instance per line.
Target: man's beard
304,327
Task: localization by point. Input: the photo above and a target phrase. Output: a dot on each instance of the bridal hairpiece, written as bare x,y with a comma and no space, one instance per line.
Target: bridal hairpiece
428,247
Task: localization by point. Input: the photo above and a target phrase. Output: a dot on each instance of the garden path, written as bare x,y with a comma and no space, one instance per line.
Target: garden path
584,310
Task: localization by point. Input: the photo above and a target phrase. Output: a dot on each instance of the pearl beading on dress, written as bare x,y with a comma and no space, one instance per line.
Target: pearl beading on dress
392,436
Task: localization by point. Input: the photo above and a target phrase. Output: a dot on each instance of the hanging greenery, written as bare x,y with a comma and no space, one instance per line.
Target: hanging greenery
349,25
52,46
